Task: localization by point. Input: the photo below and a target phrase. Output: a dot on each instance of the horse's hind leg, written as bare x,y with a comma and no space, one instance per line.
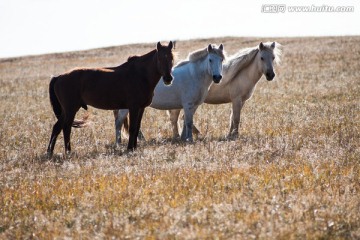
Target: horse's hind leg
237,105
120,118
55,133
67,131
188,123
138,125
174,116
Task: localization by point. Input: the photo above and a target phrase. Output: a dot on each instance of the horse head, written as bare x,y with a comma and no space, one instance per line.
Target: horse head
267,56
215,59
165,61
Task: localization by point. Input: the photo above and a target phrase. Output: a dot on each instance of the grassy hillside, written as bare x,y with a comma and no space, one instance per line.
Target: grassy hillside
293,173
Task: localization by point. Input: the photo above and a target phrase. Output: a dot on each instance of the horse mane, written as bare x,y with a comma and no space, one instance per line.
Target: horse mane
245,56
200,54
134,58
81,69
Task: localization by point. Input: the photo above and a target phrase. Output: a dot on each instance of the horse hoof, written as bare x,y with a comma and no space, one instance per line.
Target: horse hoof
232,136
176,139
141,137
49,155
69,154
131,149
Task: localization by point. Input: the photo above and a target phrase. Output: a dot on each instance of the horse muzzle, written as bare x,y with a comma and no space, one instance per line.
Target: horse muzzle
217,78
168,79
270,76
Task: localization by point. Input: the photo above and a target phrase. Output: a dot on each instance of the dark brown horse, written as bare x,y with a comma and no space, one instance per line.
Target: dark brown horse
130,86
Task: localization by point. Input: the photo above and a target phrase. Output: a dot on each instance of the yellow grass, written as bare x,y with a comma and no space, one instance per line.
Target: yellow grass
292,174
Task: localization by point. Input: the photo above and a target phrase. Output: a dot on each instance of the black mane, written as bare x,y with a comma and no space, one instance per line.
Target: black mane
133,58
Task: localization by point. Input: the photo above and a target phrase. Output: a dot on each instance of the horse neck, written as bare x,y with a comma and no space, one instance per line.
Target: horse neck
147,65
252,71
234,66
153,70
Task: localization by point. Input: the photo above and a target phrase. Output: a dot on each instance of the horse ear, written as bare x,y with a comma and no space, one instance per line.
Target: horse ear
221,47
158,46
209,48
261,46
272,45
170,46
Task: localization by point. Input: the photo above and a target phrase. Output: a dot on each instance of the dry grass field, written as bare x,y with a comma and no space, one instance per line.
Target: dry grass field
292,174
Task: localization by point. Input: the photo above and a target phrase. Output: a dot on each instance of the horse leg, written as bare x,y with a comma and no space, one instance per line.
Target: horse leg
134,114
55,133
188,123
183,131
195,131
237,105
125,123
141,136
67,130
120,117
174,116
117,127
138,125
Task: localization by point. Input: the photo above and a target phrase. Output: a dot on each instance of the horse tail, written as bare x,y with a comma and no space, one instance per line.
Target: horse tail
53,98
57,106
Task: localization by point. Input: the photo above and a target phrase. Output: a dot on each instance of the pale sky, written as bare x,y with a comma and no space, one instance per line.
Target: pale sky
30,27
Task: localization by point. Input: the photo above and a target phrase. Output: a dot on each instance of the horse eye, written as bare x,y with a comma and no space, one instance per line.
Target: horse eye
210,60
273,58
262,59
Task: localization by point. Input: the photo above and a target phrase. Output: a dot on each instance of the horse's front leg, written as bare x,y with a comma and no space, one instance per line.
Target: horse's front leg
138,125
126,129
237,105
174,116
134,115
188,123
120,116
195,130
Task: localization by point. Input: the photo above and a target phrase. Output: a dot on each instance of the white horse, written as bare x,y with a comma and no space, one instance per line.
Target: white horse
242,72
189,88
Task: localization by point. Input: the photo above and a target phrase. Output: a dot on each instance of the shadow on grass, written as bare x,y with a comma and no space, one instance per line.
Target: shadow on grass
110,150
